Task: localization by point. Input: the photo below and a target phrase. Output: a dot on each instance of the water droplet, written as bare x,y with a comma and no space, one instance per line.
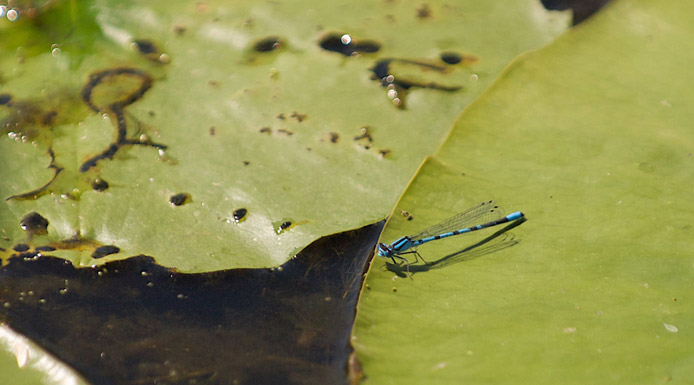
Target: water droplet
180,199
56,52
12,15
364,134
3,10
345,39
164,58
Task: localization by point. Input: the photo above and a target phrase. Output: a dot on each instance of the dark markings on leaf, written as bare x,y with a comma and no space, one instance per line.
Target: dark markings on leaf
43,190
34,223
179,199
267,44
346,45
103,251
451,57
398,85
5,99
21,247
239,214
145,46
110,91
99,185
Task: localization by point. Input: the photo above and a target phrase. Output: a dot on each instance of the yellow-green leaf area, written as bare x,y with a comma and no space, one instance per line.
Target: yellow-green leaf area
193,112
591,138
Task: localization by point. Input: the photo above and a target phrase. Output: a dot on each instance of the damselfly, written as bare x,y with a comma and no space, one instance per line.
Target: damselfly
486,214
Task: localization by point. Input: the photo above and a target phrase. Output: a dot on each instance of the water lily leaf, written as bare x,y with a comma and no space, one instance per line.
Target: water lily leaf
590,137
150,128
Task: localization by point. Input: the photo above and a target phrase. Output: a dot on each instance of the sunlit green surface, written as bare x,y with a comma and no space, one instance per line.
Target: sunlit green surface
591,138
210,98
272,132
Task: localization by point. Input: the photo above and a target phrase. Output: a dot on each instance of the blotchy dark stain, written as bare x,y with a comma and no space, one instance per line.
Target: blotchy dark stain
5,99
299,117
179,199
135,322
267,44
423,11
239,214
451,57
397,85
145,47
150,51
21,247
365,135
344,44
33,223
103,251
48,118
115,89
99,184
283,227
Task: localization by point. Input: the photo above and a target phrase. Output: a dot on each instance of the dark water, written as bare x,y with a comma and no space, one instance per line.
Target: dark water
136,322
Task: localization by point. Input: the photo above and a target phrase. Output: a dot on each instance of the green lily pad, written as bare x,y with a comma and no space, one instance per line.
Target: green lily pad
145,128
590,137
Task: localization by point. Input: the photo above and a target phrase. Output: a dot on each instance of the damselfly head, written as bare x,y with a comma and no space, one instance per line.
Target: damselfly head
383,250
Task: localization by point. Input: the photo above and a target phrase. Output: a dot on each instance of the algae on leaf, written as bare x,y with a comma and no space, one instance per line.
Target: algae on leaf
591,138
